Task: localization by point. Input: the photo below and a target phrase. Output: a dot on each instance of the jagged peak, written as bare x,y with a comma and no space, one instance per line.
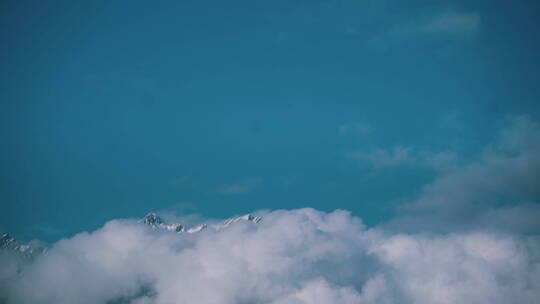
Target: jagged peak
9,243
197,229
246,217
152,219
6,236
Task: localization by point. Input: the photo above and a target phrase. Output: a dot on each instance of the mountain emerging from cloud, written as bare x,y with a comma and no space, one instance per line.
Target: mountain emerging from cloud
156,222
27,251
10,245
295,256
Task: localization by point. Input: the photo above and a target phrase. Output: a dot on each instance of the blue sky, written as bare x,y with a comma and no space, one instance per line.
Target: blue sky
113,109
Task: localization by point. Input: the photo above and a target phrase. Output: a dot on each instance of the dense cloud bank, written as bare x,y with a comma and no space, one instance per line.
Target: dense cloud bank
298,256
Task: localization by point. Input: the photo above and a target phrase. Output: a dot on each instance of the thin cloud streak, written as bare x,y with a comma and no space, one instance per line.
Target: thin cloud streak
443,25
243,187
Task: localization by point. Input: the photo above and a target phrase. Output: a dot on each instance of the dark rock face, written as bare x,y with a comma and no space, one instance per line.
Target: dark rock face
152,219
8,242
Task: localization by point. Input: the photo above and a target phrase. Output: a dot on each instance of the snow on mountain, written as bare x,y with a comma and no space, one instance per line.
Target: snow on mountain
247,217
153,220
197,229
10,244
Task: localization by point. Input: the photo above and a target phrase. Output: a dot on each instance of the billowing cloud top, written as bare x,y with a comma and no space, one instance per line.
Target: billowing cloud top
298,256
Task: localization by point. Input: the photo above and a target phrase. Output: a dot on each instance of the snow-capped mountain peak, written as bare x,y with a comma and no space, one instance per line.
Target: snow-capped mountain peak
7,241
197,229
11,244
246,217
153,220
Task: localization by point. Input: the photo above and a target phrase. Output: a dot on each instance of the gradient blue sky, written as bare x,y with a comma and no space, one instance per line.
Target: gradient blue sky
115,108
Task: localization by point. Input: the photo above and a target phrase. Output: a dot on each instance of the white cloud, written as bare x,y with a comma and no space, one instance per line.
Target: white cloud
320,291
298,256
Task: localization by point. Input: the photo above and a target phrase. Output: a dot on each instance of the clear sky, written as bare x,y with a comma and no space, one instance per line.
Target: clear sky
112,109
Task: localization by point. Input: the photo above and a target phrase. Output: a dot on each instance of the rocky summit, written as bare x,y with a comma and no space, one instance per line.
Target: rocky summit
156,222
10,244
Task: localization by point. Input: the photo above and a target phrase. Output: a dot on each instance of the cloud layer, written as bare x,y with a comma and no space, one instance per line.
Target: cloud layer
298,256
471,236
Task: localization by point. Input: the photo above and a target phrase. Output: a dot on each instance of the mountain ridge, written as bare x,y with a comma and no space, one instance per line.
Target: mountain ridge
25,250
152,219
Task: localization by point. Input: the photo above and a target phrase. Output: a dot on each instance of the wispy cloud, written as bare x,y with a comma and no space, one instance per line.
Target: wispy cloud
181,180
452,120
465,24
403,156
436,26
499,190
379,158
455,23
242,187
362,128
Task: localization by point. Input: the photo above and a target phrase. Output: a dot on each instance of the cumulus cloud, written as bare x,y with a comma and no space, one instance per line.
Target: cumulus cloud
500,189
298,256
